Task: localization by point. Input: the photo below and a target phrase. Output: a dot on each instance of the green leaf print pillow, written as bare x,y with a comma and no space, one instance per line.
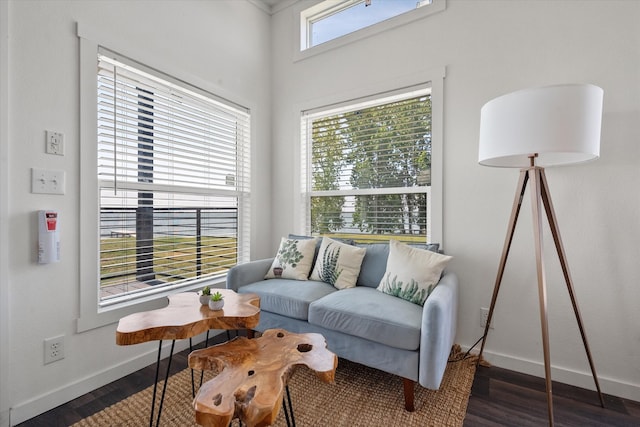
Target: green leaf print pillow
338,263
412,273
293,259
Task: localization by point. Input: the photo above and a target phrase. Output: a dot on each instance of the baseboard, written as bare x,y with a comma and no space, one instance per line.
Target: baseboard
39,404
567,376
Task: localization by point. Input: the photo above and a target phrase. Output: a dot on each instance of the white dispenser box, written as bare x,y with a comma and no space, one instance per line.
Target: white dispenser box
48,237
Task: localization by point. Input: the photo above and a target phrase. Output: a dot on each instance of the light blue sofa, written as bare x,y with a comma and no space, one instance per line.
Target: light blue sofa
362,324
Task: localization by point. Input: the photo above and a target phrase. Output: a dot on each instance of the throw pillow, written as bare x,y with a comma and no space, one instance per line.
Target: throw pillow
319,242
338,263
412,273
293,259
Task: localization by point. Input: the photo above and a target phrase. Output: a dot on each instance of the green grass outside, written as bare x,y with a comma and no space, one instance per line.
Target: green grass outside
379,238
175,258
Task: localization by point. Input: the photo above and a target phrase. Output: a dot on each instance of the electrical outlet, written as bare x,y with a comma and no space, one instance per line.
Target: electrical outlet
55,143
484,315
53,349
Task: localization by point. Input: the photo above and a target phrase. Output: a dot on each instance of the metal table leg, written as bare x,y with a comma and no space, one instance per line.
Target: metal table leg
164,387
288,411
206,344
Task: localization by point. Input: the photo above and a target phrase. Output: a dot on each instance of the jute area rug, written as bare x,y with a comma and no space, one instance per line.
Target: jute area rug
360,396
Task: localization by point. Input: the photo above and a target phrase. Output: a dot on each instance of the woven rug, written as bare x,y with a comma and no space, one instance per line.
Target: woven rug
360,396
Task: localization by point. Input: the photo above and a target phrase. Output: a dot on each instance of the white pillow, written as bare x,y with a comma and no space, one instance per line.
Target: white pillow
338,263
412,273
294,257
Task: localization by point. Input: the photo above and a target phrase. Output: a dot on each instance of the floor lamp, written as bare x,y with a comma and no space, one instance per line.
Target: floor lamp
531,129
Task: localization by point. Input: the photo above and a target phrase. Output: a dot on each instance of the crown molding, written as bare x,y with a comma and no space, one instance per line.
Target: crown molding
272,6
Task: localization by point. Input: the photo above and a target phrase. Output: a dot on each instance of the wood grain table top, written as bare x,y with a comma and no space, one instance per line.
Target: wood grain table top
184,317
253,374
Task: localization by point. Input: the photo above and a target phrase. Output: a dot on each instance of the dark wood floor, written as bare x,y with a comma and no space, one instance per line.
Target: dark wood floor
499,398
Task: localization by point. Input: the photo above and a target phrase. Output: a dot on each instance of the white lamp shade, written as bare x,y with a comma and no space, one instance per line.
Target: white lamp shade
561,124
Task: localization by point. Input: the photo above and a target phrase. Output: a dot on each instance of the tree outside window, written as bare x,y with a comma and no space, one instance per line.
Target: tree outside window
371,170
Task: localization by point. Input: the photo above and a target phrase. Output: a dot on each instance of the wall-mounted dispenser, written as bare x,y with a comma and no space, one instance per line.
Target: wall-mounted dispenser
48,237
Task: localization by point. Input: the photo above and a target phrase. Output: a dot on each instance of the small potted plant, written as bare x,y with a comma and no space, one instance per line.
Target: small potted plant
277,271
205,296
216,302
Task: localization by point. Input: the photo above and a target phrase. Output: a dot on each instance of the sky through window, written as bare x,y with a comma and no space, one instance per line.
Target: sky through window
358,16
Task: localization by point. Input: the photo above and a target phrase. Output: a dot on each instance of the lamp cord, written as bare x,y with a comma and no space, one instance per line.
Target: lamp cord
466,355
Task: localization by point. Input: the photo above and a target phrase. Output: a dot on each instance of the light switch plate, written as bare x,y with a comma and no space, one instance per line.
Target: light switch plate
47,181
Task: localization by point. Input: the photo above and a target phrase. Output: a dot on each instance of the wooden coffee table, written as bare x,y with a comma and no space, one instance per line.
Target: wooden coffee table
253,376
183,318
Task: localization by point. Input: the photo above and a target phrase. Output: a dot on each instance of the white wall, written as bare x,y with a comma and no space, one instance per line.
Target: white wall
221,46
490,48
5,400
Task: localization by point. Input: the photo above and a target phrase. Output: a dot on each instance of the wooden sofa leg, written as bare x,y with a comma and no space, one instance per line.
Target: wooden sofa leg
250,333
409,387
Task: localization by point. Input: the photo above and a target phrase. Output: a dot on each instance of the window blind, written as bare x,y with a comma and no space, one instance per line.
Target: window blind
174,177
366,168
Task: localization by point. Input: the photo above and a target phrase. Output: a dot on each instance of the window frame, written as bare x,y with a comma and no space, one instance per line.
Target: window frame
304,13
433,79
92,314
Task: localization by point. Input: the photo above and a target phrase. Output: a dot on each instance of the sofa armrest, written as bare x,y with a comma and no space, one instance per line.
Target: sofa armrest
439,323
247,273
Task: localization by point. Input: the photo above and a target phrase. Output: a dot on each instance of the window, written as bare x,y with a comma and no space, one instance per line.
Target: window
173,179
366,169
330,20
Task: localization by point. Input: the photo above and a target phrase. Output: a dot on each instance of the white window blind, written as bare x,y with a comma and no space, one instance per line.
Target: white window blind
367,168
174,178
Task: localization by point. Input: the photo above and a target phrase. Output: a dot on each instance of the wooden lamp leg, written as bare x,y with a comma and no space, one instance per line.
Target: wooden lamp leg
515,212
555,232
540,197
536,202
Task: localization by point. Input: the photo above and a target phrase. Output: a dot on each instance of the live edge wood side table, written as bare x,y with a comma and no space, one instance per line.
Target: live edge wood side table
184,318
253,375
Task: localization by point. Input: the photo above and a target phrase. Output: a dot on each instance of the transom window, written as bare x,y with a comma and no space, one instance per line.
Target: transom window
366,169
173,177
331,19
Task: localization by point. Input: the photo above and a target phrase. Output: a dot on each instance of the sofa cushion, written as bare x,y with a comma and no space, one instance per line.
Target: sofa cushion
374,263
412,273
364,312
294,258
289,298
338,263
